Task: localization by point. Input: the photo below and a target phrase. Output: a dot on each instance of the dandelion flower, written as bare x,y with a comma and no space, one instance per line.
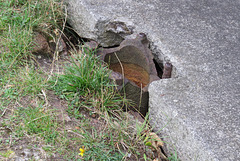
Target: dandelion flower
82,150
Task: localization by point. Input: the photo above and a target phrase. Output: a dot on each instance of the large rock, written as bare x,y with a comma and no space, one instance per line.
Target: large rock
198,109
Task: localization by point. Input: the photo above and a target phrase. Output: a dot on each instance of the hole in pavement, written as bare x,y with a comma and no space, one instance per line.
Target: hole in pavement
140,68
135,59
159,68
138,65
133,62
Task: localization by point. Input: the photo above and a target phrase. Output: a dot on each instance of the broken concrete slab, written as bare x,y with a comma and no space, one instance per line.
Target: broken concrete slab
101,26
202,41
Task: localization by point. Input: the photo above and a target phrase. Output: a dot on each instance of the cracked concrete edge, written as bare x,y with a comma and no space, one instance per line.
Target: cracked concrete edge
176,130
107,32
86,21
162,56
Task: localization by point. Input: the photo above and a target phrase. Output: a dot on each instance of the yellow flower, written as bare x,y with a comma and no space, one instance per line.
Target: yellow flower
82,150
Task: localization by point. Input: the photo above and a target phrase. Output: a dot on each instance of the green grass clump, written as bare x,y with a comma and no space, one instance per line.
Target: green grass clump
6,154
84,76
87,78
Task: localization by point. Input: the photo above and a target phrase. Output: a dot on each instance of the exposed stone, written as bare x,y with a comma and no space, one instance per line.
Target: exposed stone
132,52
40,44
58,46
28,154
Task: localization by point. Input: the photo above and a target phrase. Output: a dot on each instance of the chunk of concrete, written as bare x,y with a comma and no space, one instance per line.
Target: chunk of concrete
202,41
94,20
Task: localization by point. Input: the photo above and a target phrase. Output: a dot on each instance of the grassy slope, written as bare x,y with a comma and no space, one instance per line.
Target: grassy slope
30,112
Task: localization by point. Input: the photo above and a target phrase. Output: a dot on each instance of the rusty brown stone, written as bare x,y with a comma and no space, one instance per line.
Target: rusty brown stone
136,53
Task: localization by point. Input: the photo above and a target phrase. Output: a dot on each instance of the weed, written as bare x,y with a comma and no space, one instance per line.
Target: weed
86,83
84,76
72,111
97,148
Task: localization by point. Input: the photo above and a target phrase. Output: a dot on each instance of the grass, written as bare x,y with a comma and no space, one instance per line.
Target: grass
86,83
59,113
19,19
84,76
37,121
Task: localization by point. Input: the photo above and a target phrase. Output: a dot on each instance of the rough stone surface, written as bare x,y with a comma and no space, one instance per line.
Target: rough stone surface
40,44
198,109
132,51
